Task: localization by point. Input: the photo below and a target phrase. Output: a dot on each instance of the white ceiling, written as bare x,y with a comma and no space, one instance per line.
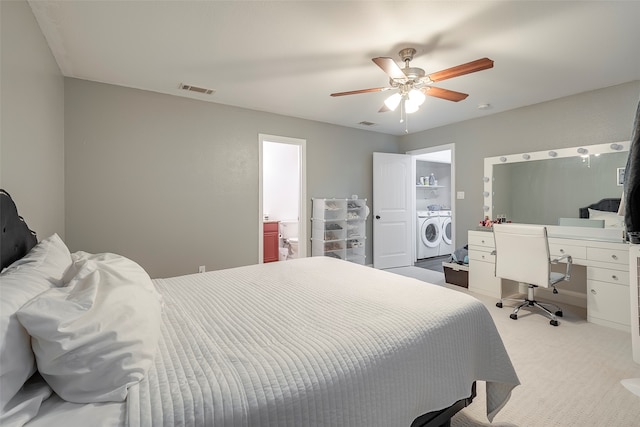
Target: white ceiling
286,57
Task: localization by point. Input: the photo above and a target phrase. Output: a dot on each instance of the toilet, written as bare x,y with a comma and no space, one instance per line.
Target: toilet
293,247
289,234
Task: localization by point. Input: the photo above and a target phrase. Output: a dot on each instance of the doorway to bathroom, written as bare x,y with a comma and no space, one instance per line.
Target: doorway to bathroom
282,195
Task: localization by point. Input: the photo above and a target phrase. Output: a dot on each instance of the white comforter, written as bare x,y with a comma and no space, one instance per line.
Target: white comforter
316,342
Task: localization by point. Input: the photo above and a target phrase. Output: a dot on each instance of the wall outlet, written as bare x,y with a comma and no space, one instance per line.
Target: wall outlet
202,269
460,195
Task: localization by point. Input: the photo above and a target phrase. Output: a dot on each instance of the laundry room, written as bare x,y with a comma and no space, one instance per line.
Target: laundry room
433,205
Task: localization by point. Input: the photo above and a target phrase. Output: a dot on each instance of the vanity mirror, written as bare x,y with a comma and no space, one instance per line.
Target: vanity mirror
541,187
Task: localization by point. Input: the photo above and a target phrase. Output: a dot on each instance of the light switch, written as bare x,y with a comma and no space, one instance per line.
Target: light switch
460,195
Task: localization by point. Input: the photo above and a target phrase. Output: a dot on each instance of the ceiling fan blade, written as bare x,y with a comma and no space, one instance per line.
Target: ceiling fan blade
460,70
447,94
354,92
384,109
390,67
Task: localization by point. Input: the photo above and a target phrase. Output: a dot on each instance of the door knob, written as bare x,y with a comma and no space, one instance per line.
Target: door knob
377,216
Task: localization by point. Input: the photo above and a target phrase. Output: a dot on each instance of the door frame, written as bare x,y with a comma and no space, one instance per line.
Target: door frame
302,196
413,154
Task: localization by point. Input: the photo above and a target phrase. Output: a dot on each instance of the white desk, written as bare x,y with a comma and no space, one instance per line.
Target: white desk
605,294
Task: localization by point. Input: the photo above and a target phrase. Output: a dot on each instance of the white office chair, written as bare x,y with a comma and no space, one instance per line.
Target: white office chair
522,255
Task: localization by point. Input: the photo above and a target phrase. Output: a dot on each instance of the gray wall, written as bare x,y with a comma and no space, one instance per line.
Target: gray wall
31,121
604,115
172,182
427,196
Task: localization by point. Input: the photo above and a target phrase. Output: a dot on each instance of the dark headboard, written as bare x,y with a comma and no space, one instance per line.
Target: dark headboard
16,240
607,205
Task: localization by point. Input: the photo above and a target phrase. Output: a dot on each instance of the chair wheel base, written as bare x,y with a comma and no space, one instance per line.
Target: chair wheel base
559,313
513,316
553,322
499,304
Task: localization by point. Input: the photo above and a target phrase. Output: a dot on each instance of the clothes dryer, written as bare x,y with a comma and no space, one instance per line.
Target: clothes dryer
446,244
429,234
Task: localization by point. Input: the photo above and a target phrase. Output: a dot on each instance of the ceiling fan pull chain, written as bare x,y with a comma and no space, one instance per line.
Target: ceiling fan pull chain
406,123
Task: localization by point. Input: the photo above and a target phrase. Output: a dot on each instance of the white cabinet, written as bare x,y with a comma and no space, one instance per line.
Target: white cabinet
608,304
338,228
482,278
608,285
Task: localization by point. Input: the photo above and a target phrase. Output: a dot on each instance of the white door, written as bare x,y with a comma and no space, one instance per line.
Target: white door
392,216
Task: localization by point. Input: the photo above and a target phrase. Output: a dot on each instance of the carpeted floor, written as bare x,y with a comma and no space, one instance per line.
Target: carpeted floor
423,274
570,375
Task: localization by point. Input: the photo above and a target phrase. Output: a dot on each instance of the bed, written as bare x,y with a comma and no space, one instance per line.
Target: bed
308,342
606,210
601,206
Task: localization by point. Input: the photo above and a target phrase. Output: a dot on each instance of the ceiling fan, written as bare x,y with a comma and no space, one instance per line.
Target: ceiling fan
413,83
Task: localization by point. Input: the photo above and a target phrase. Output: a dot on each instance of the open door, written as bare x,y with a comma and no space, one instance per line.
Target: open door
392,210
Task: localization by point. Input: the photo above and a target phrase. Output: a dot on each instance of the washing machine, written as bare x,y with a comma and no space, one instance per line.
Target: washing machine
429,234
446,245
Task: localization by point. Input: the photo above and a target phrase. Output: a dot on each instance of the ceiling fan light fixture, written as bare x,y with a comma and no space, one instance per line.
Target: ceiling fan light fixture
393,101
413,100
417,96
410,106
412,83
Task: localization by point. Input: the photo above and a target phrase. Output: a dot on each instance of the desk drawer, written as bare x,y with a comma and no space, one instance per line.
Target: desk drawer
615,256
482,238
558,249
484,256
620,277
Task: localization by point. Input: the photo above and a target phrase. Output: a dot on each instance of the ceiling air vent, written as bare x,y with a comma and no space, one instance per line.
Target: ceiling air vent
366,123
196,89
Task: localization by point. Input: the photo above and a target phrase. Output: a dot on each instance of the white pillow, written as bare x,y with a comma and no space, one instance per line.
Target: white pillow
41,269
98,335
611,219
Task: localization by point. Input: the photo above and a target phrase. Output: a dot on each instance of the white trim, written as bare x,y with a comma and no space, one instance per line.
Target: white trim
302,197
